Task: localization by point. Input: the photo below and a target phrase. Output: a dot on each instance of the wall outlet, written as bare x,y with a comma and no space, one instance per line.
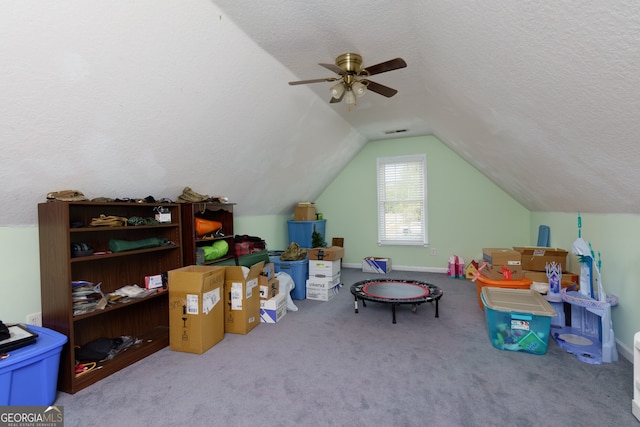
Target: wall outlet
34,319
434,251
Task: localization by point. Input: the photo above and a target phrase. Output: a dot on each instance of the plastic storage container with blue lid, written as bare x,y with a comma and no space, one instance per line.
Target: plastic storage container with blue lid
29,375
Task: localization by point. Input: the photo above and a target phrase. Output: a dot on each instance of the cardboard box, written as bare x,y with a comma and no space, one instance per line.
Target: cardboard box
269,270
322,294
541,277
323,282
153,282
269,288
494,272
502,256
304,212
273,309
331,253
242,299
196,308
535,258
323,268
376,265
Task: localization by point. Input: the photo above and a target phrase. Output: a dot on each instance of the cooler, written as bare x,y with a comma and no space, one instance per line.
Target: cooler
299,272
29,375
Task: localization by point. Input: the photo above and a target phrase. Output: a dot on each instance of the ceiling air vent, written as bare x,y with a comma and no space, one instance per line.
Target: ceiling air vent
390,132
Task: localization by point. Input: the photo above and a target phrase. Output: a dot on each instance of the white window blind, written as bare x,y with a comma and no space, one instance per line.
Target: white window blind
402,200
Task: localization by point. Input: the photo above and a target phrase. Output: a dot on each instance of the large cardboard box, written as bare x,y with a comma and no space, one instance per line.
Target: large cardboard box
376,265
535,258
501,256
196,308
273,309
242,299
304,212
567,279
494,272
331,253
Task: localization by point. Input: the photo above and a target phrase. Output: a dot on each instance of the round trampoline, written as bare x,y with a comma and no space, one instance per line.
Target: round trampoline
396,292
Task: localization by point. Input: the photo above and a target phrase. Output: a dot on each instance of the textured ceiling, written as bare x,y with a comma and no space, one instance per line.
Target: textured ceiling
541,98
129,99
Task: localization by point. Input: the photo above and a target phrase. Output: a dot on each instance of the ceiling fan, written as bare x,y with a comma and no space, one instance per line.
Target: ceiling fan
353,80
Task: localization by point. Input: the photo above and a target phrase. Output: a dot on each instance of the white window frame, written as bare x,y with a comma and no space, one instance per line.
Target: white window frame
400,230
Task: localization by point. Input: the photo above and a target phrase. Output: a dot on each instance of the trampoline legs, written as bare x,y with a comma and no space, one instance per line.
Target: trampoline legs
356,304
437,307
393,310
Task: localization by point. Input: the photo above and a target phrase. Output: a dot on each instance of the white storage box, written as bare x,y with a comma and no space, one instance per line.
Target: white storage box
323,282
322,294
321,268
273,309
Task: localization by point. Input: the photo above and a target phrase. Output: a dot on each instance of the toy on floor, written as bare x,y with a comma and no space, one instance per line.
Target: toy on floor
590,337
554,274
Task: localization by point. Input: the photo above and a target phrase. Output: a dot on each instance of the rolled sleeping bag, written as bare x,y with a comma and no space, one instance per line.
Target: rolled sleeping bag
126,245
217,250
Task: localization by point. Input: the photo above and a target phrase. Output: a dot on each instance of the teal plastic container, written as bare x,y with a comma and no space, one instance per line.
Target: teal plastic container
301,231
517,319
299,272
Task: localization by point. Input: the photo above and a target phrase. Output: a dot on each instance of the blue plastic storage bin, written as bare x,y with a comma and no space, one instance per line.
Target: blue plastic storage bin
517,319
301,231
299,272
29,376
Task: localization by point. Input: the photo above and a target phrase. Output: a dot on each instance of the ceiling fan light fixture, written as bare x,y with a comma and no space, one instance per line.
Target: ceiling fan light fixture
359,89
349,97
337,90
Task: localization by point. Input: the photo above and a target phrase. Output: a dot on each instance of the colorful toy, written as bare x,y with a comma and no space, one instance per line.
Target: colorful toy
590,337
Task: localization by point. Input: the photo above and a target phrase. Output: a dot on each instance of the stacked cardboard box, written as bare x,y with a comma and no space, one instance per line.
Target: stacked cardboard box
324,273
273,303
242,299
501,262
272,310
535,258
304,211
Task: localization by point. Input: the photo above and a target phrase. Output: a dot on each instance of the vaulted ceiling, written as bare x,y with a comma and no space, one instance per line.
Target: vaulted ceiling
129,99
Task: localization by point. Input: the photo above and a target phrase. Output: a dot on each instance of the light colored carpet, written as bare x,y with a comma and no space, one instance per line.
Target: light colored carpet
324,365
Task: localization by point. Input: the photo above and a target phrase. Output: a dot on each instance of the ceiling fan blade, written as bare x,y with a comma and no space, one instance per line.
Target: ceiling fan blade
383,67
304,82
381,89
333,67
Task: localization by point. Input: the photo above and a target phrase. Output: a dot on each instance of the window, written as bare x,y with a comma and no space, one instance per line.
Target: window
402,200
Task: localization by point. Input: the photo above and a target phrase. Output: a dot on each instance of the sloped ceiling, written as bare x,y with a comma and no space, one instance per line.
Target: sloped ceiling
541,98
129,99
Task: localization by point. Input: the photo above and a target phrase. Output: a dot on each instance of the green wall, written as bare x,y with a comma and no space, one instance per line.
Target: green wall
20,278
466,210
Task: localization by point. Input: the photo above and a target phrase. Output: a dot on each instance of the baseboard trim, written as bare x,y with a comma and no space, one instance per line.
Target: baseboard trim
624,351
404,268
